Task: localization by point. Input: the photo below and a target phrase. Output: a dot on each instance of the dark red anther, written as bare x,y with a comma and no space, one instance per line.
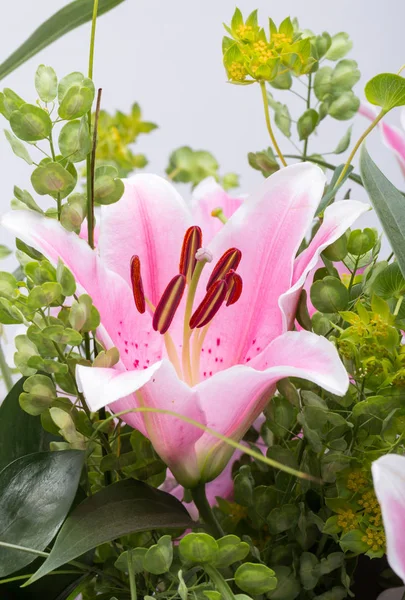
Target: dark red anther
235,286
191,243
228,261
137,285
210,304
168,304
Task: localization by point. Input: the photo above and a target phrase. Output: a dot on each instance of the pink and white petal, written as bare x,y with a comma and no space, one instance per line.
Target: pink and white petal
389,484
157,387
84,233
234,398
207,196
337,219
368,111
123,326
150,220
268,228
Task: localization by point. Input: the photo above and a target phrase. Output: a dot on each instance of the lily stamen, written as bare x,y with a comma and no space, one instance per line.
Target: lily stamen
228,261
168,304
137,285
191,243
210,304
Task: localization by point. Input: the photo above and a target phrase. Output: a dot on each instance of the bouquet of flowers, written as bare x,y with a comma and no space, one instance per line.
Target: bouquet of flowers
206,395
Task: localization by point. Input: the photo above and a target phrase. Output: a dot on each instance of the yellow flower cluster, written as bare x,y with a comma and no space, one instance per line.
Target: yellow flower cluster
280,38
375,539
244,29
369,503
347,519
357,480
379,326
237,71
263,51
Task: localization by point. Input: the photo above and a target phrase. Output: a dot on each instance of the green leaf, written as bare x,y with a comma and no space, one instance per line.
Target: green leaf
231,550
108,187
386,90
68,18
39,393
264,161
255,578
61,335
344,107
44,295
159,557
77,100
388,202
25,197
353,542
361,241
309,570
31,123
344,143
74,140
283,518
4,251
329,295
198,548
307,123
65,278
36,494
51,178
389,283
46,83
20,433
122,508
341,45
288,588
344,76
18,147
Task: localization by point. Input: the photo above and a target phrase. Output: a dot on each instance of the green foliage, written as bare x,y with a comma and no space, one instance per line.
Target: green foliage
386,90
193,166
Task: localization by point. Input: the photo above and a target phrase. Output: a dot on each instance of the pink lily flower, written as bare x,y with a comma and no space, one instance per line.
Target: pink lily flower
389,484
393,137
191,340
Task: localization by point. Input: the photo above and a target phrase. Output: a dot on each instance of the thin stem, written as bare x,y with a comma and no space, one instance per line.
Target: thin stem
205,510
398,306
90,207
322,163
131,574
5,371
91,164
21,577
219,582
358,144
58,198
268,123
24,549
305,152
173,173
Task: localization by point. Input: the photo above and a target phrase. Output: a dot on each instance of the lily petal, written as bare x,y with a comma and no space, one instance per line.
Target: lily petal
207,196
122,325
389,484
150,220
157,387
337,219
233,399
268,228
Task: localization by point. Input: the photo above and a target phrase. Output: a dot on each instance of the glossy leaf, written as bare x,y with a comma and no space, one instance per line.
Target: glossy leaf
388,202
36,494
122,508
68,18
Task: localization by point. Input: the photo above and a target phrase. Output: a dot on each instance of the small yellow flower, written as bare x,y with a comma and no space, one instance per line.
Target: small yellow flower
375,539
347,519
356,481
242,30
263,51
280,38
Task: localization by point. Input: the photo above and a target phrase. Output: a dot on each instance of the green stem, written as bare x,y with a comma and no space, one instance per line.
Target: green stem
90,207
58,198
219,582
131,574
5,371
358,144
322,163
205,510
21,577
175,172
305,152
398,306
268,123
24,549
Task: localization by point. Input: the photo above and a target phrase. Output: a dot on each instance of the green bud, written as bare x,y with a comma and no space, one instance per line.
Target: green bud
255,578
31,123
307,123
360,242
39,394
329,295
344,107
74,140
51,178
340,46
198,548
46,83
336,251
108,187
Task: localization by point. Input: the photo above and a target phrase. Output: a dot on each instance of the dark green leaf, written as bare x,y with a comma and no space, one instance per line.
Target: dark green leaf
20,434
36,493
69,17
388,203
125,507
